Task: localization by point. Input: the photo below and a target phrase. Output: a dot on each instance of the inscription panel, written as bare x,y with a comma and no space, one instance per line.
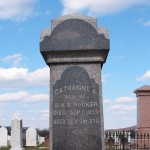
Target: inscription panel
76,111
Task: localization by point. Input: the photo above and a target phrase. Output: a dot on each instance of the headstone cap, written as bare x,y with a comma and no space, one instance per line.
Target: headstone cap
16,118
143,91
145,88
76,37
90,20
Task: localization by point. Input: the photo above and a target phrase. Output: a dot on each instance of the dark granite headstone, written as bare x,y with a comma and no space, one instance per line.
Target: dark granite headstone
76,111
75,49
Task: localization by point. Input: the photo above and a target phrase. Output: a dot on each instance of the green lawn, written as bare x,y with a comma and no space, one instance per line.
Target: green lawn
26,148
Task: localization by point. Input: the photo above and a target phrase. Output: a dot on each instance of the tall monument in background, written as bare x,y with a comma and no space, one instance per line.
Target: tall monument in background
143,109
16,134
75,50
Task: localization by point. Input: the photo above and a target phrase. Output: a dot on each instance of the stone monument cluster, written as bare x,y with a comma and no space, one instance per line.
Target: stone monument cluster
15,141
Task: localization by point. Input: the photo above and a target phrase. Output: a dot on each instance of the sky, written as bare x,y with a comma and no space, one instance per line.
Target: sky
24,75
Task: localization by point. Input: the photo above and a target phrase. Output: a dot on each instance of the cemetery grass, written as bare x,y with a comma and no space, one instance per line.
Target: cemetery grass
4,148
26,148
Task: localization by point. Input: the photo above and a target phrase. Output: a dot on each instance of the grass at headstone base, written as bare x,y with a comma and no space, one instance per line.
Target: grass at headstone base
26,148
4,148
35,148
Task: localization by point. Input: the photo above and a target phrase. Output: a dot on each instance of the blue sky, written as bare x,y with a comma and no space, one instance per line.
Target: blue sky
24,76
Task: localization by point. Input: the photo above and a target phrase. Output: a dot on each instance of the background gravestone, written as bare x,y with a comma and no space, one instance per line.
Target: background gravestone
143,111
75,49
16,134
3,137
31,137
41,139
143,115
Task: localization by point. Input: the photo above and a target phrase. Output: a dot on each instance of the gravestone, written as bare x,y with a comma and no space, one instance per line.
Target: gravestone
41,139
3,137
143,111
31,137
75,50
143,117
16,134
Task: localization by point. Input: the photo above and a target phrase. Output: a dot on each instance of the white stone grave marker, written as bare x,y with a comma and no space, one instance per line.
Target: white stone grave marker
3,137
31,137
16,134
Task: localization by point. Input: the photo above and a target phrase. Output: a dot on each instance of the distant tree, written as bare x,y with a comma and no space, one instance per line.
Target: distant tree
43,133
9,130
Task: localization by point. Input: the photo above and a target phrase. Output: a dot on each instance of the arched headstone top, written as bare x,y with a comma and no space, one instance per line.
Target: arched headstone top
75,37
60,19
31,129
31,137
72,72
73,34
3,136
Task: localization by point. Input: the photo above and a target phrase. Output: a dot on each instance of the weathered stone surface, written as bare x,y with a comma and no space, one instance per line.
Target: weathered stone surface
75,49
88,19
71,34
3,137
16,134
31,137
74,32
76,111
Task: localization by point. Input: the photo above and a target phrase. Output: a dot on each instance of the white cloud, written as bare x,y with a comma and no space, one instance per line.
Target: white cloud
13,96
29,111
37,98
144,23
2,104
22,78
106,101
44,113
99,7
145,76
125,99
16,9
16,114
15,59
24,97
122,108
120,57
120,113
47,13
147,23
105,76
